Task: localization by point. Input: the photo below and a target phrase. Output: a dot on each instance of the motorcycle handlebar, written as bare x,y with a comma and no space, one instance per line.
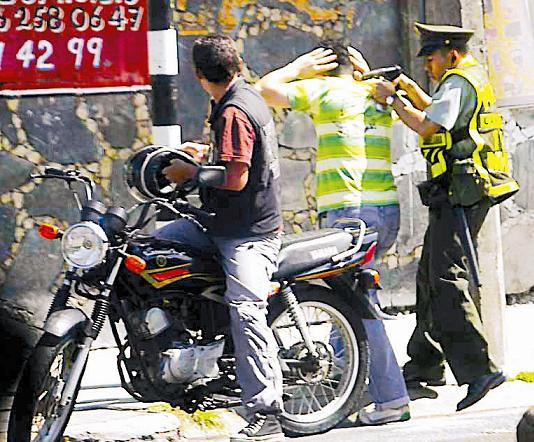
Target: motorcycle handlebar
69,175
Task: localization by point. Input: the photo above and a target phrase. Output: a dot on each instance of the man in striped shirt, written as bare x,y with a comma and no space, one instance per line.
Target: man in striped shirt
354,179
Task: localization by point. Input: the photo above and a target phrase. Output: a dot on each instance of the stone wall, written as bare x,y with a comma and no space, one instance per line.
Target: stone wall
93,133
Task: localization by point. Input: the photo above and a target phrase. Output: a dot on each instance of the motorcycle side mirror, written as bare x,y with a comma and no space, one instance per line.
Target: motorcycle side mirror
212,176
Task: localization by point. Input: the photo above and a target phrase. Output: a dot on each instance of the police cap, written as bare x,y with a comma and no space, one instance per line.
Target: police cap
440,36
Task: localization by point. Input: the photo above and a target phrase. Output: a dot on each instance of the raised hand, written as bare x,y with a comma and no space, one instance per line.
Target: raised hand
359,63
314,63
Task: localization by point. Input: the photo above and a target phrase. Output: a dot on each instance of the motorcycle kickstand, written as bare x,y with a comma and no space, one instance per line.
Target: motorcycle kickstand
297,315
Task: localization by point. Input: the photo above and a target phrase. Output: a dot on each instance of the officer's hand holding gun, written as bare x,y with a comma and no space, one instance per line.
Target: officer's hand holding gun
393,81
390,73
385,82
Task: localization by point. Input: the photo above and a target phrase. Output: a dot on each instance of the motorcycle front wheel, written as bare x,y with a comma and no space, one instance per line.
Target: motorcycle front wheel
36,415
320,392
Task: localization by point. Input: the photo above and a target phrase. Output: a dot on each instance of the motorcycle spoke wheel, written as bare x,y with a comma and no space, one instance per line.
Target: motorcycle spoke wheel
320,391
312,399
48,409
36,414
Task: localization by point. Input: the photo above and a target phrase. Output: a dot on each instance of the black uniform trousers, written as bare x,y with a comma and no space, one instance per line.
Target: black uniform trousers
445,308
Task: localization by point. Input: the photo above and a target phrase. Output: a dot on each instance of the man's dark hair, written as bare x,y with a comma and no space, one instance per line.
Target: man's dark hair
339,47
215,57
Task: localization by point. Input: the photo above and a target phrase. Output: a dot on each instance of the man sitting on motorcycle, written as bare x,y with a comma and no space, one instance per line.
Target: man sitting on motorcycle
247,224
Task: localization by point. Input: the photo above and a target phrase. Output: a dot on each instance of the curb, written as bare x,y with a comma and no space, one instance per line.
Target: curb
125,424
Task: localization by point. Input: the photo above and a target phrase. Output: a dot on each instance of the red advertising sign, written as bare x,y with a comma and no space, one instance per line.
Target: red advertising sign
49,46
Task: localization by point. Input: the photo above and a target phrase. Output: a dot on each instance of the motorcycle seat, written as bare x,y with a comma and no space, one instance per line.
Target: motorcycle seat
304,251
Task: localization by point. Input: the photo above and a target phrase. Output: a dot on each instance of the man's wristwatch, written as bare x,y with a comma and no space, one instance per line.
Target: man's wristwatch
390,99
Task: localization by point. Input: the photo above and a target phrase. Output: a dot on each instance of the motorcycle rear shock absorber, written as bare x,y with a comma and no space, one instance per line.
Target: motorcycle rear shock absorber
296,313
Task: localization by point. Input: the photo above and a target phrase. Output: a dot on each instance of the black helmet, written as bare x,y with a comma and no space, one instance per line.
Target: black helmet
144,172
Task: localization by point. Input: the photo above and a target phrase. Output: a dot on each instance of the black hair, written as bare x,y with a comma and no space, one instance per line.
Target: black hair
216,58
339,47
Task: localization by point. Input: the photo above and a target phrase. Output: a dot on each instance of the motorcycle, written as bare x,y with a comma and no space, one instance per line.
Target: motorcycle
168,298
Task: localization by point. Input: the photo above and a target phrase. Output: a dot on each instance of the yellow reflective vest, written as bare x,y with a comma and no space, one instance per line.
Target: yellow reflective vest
485,173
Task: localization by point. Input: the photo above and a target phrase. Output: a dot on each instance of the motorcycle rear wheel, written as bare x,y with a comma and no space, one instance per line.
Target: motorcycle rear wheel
316,402
36,415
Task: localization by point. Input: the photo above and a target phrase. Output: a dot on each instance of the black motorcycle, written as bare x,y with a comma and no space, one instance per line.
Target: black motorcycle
168,298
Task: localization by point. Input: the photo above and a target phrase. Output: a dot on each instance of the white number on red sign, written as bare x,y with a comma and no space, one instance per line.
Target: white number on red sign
42,64
118,18
26,55
76,46
94,46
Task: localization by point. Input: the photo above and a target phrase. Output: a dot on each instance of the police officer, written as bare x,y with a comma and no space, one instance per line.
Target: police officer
462,141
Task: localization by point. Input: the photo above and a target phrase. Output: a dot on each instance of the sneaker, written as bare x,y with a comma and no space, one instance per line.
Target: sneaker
381,416
262,428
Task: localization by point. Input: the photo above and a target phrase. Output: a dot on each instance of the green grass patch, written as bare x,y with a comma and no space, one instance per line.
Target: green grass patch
525,376
205,419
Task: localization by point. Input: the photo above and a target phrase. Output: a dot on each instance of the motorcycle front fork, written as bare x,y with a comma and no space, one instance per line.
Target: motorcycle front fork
296,313
63,293
98,317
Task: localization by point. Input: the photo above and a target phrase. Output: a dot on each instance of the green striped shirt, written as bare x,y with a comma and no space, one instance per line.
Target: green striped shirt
353,157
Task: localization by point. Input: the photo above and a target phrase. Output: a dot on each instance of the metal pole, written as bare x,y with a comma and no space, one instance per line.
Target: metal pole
163,68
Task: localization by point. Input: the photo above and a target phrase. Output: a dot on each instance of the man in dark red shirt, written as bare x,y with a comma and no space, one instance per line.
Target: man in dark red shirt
246,227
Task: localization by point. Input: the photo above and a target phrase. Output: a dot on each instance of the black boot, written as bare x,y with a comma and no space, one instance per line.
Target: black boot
479,388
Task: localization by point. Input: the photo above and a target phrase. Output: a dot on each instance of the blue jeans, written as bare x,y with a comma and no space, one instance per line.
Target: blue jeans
386,383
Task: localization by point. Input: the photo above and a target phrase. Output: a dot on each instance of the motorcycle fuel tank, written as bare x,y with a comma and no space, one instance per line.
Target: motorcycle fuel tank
171,264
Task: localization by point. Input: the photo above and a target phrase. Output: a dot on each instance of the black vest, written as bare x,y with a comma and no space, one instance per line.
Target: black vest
256,209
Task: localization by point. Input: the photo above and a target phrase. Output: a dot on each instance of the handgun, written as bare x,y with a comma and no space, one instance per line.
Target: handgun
389,73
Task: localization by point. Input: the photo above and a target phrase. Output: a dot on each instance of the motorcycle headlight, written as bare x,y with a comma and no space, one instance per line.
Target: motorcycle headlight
84,245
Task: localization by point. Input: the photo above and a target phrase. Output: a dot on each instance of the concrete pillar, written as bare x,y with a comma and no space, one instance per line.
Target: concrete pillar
492,293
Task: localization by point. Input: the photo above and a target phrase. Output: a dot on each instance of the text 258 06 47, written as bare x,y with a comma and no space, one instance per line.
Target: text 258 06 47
73,44
56,18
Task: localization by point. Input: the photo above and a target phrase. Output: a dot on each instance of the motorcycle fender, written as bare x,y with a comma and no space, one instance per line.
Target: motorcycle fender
369,309
61,322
